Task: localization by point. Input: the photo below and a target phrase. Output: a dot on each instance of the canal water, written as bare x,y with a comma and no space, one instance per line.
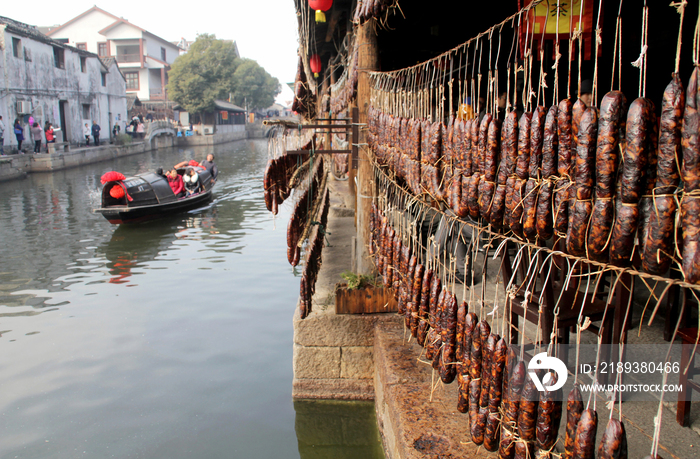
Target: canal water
169,339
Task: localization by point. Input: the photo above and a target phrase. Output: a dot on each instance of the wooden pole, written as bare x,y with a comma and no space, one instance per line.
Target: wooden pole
368,60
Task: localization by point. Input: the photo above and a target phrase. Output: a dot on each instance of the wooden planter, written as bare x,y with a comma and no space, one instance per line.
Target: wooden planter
368,300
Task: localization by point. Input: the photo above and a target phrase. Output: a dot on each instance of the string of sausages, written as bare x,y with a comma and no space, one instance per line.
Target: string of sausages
606,182
306,174
506,412
344,90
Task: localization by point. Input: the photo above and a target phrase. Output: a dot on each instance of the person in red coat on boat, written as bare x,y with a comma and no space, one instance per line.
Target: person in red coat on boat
176,183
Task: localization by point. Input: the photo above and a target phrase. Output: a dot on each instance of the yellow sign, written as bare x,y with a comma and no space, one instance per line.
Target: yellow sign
546,13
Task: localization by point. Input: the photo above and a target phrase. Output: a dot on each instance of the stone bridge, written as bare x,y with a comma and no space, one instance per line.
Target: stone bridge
159,127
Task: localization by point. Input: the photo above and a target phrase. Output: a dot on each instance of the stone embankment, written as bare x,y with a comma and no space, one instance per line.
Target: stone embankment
17,166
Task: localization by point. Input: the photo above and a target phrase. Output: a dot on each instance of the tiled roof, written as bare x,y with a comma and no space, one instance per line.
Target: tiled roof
30,31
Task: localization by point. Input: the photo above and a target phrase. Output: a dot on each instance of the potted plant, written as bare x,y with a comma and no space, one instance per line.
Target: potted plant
362,294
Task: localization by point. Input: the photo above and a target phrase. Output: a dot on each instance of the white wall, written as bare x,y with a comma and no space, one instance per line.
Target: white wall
85,30
123,31
41,83
153,46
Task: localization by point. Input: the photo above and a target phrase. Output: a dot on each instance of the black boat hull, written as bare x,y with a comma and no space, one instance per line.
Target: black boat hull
118,215
148,196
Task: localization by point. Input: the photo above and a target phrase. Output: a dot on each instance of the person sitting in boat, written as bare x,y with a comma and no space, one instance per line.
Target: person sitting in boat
176,183
191,179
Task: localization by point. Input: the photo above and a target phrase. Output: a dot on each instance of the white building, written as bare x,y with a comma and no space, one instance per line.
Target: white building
144,58
50,81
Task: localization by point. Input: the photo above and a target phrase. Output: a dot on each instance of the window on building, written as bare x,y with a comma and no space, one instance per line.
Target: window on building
16,47
82,46
162,55
58,57
86,111
102,49
132,80
104,79
83,64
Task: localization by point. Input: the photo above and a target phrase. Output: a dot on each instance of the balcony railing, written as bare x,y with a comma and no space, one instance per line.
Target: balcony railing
125,58
157,94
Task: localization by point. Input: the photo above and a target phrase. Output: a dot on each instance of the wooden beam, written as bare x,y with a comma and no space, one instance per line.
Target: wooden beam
368,60
335,17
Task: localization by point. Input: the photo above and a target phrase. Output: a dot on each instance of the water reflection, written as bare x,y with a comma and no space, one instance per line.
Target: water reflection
337,429
168,339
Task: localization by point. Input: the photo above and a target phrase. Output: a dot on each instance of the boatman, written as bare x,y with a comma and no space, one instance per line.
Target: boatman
209,165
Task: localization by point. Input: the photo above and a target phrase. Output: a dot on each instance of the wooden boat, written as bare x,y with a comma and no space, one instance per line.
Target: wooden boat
147,196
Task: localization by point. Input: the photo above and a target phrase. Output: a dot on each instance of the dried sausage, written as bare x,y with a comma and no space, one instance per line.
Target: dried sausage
493,424
527,420
613,111
510,404
561,206
483,143
574,408
487,356
516,224
550,143
690,169
585,154
613,445
463,375
424,309
448,370
600,228
622,238
523,160
690,173
636,155
544,210
492,149
473,195
564,133
659,246
549,417
536,141
584,445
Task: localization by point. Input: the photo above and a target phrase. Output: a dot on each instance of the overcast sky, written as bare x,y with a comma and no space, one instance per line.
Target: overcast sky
265,31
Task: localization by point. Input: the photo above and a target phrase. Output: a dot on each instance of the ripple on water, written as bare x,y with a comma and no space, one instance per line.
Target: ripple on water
168,339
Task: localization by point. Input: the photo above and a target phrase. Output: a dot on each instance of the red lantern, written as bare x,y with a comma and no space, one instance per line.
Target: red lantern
112,176
315,64
117,192
320,6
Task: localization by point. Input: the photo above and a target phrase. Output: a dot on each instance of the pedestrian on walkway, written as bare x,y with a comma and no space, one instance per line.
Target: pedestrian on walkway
96,133
140,129
19,134
37,136
86,133
2,136
50,136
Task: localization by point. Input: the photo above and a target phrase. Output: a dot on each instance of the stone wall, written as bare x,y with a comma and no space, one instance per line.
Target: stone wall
18,166
333,353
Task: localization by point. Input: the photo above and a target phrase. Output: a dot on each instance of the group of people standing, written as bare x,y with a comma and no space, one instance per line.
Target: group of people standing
94,132
37,133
